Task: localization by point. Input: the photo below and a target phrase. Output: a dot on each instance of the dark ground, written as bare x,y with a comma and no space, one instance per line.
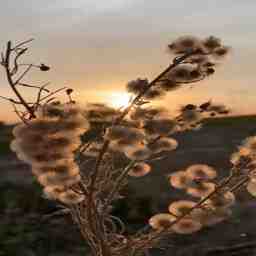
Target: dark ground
21,205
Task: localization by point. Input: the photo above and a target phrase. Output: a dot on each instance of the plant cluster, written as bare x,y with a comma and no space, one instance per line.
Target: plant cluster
84,157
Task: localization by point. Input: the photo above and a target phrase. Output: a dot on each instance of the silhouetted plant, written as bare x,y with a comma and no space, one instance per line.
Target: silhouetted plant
84,157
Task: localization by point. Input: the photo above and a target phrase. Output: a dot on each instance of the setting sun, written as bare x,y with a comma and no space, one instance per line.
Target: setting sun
119,99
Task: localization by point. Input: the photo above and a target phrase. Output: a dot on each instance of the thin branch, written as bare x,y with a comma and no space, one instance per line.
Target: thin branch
11,83
22,43
41,88
118,183
52,93
23,74
18,114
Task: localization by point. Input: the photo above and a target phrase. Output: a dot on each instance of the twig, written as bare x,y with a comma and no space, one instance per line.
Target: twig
118,183
23,74
41,88
11,83
22,43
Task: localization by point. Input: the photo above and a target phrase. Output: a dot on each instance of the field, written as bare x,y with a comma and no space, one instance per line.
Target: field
21,204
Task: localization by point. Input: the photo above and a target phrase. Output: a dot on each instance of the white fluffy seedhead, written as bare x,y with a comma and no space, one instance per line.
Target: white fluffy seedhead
70,197
163,144
98,113
160,126
138,153
137,86
222,200
53,192
123,133
161,221
180,180
48,143
186,226
181,207
201,189
57,179
142,113
186,44
139,170
201,172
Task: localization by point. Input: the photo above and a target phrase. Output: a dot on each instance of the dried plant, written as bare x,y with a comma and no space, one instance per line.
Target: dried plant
75,152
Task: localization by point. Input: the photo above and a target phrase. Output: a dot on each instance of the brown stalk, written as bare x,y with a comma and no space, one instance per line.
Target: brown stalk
12,83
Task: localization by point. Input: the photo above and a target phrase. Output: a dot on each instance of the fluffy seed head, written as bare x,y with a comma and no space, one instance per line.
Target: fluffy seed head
169,84
201,189
221,52
201,172
53,192
154,93
118,132
181,207
222,200
137,86
185,44
160,126
251,188
212,218
186,226
250,144
147,113
163,144
161,221
96,112
138,153
57,179
190,116
139,170
180,180
70,197
212,43
181,73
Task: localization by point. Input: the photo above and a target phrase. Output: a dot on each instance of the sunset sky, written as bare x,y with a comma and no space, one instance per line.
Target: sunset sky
97,46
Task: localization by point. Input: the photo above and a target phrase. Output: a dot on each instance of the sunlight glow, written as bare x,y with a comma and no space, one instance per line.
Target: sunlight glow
119,99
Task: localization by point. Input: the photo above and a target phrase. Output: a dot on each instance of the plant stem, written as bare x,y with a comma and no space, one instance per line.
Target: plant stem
12,84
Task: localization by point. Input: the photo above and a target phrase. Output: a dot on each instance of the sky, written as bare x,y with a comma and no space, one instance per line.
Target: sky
96,47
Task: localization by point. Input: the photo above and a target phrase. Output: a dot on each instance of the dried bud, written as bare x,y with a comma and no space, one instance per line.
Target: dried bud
210,71
43,67
212,43
221,51
205,105
69,91
189,107
137,86
195,74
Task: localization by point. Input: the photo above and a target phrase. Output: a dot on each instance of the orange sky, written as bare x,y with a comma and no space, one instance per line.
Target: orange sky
97,46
